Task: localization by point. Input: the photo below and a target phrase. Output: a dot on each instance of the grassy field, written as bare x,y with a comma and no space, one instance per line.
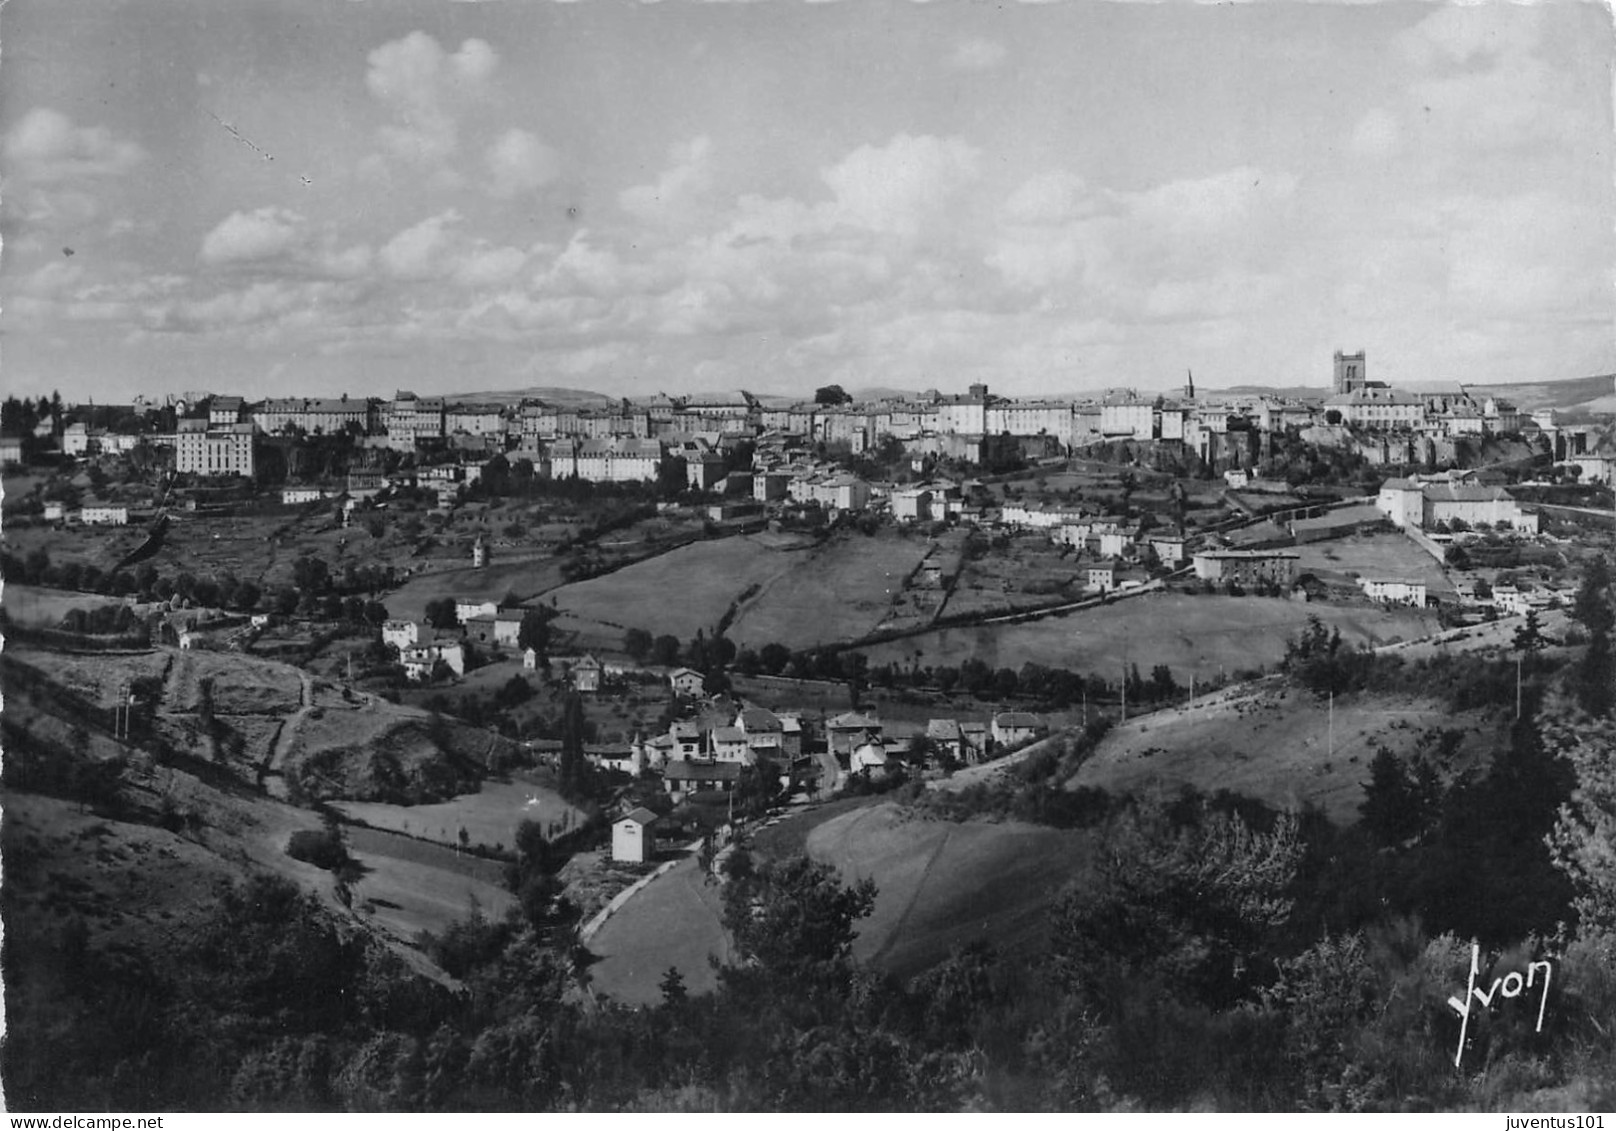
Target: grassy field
1190,634
36,607
838,591
489,816
525,579
1031,571
679,592
96,678
942,885
408,887
676,921
240,685
1275,744
1377,555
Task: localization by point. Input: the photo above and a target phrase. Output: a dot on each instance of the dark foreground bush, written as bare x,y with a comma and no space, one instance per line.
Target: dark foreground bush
321,847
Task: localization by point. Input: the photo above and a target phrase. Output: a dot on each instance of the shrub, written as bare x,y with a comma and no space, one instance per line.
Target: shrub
321,847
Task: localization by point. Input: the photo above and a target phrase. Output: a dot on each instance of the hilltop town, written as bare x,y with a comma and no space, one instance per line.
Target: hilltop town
442,542
555,659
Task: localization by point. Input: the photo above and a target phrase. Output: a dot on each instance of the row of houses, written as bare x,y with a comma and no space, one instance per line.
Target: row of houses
694,757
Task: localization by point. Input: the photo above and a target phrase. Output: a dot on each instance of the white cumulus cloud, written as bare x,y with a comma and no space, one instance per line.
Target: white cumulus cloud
420,251
680,185
46,146
518,162
424,87
244,237
898,187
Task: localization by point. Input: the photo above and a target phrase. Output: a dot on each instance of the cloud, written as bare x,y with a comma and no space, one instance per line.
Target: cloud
46,147
518,162
245,237
54,278
1529,254
678,188
425,87
897,188
1480,82
977,55
421,251
1181,250
1050,198
280,241
489,266
1463,33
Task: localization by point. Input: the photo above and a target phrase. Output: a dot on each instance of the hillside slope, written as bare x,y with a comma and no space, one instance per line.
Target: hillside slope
1278,745
942,884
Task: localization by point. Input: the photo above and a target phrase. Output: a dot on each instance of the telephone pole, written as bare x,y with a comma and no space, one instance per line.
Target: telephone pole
1517,688
1332,724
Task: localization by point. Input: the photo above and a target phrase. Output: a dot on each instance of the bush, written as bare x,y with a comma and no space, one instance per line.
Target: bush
321,847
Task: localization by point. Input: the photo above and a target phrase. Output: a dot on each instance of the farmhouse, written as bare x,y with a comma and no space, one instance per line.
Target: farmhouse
467,608
10,450
634,837
850,730
1247,567
729,745
763,730
791,736
1103,575
421,659
586,674
1512,601
911,505
1168,549
293,496
686,681
686,740
507,627
76,438
869,759
1390,592
1012,728
400,633
974,740
945,738
1116,543
626,757
682,778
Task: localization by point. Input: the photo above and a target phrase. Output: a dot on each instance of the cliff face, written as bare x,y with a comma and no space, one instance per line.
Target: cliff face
1425,451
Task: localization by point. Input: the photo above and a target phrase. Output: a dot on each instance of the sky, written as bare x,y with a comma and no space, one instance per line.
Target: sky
307,197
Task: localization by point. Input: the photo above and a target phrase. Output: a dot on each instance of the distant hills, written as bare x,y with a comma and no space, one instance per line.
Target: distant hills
550,394
1579,395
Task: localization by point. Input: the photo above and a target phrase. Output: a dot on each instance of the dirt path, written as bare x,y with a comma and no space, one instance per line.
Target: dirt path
270,773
